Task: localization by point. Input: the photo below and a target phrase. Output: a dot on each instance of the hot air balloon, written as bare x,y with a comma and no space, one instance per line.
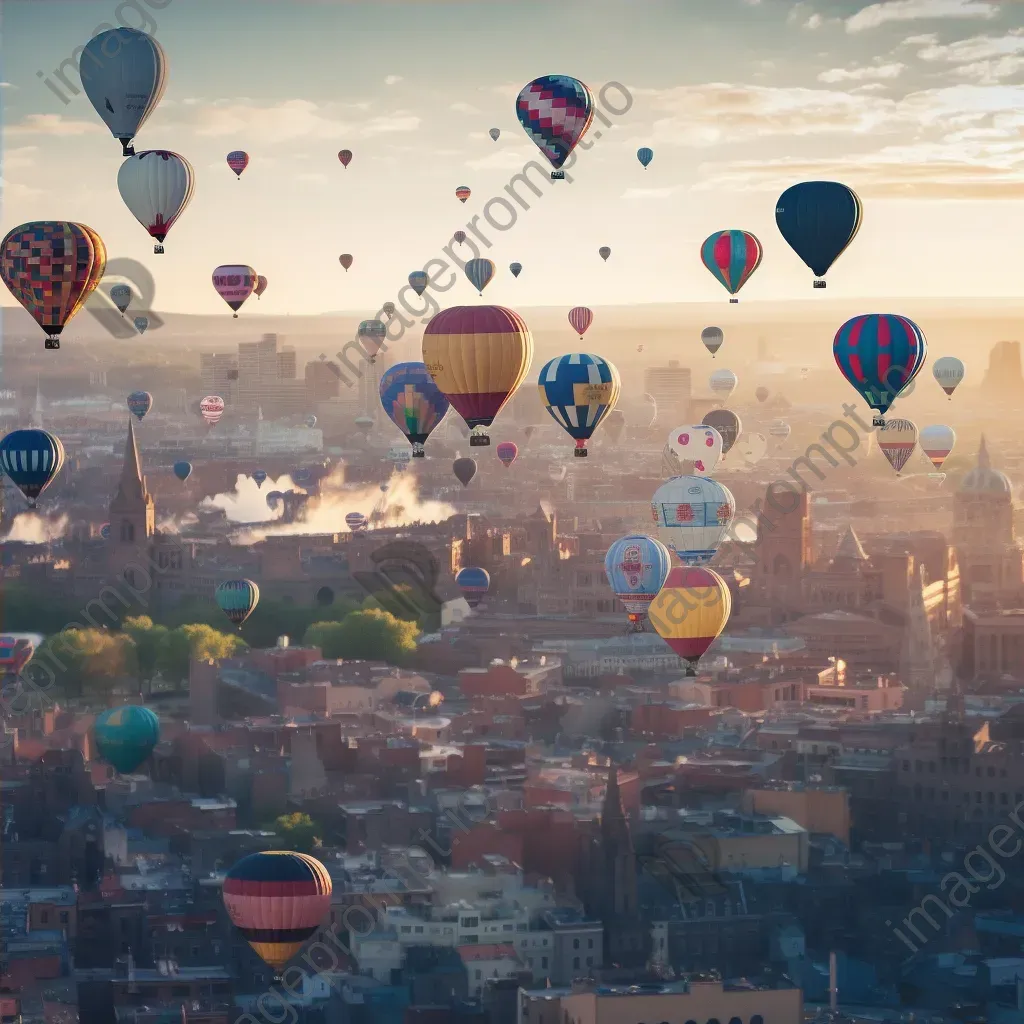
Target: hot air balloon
302,476
614,424
507,452
699,445
751,448
516,268
780,429
274,499
474,584
645,155
459,237
636,567
126,736
183,470
464,470
478,357
212,408
238,161
723,382
345,156
139,403
731,256
259,476
529,432
261,285
819,219
418,281
948,371
121,296
355,521
652,406
414,403
727,423
156,186
371,335
31,459
897,440
693,514
712,337
124,84
555,112
579,390
388,309
462,193
234,284
310,421
937,442
762,393
690,611
580,318
105,531
494,133
237,599
880,354
51,267
141,323
557,473
277,900
480,272
604,252
345,259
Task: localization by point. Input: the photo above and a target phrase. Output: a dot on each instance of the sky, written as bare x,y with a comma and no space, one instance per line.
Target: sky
916,104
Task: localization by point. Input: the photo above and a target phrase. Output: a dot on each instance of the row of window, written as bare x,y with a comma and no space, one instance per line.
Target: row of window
928,793
953,764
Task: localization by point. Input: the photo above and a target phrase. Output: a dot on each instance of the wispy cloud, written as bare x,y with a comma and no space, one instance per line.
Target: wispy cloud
916,10
985,59
51,124
19,157
460,107
392,79
867,73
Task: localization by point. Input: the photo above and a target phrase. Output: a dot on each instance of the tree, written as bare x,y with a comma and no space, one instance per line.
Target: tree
298,832
372,633
146,637
196,640
87,661
272,619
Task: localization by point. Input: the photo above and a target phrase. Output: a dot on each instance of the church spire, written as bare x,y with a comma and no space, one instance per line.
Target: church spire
132,486
614,826
984,462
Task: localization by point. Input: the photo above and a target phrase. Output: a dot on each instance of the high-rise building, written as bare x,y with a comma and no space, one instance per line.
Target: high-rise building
266,378
670,388
322,381
219,375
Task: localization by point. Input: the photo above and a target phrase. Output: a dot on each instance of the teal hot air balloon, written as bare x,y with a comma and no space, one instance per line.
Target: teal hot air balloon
183,470
480,271
645,155
414,402
819,219
516,268
237,599
126,736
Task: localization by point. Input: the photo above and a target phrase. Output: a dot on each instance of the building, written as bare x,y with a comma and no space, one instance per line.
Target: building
267,378
218,373
323,381
670,387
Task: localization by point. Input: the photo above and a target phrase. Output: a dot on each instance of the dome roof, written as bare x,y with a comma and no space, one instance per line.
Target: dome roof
983,479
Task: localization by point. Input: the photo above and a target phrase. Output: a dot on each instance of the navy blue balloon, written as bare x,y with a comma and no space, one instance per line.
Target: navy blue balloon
31,458
819,219
183,470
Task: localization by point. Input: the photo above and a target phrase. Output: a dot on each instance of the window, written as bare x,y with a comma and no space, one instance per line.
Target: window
406,929
544,963
44,918
757,1019
576,962
575,943
477,975
991,772
470,922
128,536
590,961
590,943
418,929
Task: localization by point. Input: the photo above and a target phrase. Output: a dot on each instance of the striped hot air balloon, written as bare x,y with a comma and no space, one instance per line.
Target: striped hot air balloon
237,599
474,584
580,318
261,285
462,193
880,354
579,390
690,611
31,459
478,357
937,441
345,156
731,257
897,440
355,521
459,236
712,339
645,155
480,272
212,408
238,160
723,382
277,899
507,452
948,371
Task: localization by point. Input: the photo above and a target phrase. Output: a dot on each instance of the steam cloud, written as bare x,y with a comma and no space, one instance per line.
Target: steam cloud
32,528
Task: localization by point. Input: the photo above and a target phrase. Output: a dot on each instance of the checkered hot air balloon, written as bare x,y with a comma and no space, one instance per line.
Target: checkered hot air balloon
731,257
579,390
555,112
413,402
51,267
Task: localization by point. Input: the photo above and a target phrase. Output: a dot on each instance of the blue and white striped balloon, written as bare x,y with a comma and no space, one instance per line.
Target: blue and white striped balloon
579,390
31,458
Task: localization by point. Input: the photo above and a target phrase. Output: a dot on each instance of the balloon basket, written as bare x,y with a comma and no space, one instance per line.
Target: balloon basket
126,149
581,453
734,301
52,343
877,421
558,175
419,453
234,316
158,249
479,441
820,284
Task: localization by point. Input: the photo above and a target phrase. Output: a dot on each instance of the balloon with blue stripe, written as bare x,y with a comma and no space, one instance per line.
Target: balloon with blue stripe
237,599
139,403
579,390
480,272
636,567
474,583
32,459
645,155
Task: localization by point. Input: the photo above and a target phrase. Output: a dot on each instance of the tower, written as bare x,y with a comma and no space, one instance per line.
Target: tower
783,551
132,518
917,657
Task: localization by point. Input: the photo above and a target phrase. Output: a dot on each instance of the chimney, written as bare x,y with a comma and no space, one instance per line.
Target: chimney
833,982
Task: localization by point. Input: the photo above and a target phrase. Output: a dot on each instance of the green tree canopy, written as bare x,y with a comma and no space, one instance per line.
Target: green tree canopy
298,832
371,634
196,640
146,637
88,662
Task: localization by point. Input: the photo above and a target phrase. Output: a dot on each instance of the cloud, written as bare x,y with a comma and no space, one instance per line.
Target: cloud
392,79
814,21
7,85
505,160
464,108
13,190
19,157
867,73
52,124
985,59
914,10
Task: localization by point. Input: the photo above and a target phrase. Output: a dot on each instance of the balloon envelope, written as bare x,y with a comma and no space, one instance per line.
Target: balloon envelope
937,441
699,445
234,283
345,156
723,382
751,448
123,85
604,252
418,281
819,219
412,400
212,408
183,470
761,393
277,900
141,323
516,268
259,476
727,423
555,112
355,521
31,459
579,390
693,514
636,567
126,736
474,584
462,193
690,611
645,155
949,372
880,354
780,429
372,334
156,186
121,296
507,452
237,599
238,160
345,259
261,285
139,403
731,257
464,470
712,337
480,272
580,318
897,441
51,267
494,133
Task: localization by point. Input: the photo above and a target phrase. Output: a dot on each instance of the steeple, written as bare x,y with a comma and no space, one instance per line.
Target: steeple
132,486
132,512
984,462
614,826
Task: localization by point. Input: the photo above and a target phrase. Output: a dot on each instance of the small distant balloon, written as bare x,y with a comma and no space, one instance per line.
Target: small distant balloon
604,252
780,430
516,268
494,133
506,452
723,382
897,440
238,161
480,272
121,296
712,337
762,393
372,335
345,259
418,281
948,371
388,309
261,286
462,193
212,408
141,323
937,441
355,521
459,236
464,470
259,476
580,318
183,470
474,584
139,403
237,599
645,155
234,284
345,156
731,257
